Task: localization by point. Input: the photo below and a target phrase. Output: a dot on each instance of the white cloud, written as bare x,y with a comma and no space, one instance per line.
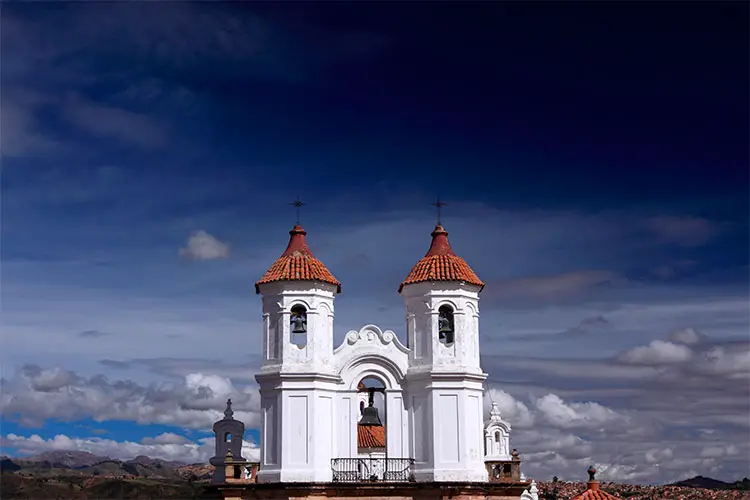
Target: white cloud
569,415
35,395
166,438
719,451
658,352
165,448
655,456
515,412
687,336
202,246
732,363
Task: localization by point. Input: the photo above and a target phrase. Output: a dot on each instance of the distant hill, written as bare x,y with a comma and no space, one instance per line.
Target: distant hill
704,482
69,459
18,487
80,463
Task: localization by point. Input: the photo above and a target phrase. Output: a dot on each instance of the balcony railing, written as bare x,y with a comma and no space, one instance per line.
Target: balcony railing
358,470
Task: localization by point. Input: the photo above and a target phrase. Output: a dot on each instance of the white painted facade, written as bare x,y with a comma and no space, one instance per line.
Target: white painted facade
496,437
310,404
309,397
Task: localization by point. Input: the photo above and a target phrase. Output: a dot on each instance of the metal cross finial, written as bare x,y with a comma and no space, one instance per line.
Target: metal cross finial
439,205
297,203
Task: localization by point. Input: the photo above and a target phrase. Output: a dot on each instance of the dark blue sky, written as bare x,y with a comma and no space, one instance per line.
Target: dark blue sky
594,155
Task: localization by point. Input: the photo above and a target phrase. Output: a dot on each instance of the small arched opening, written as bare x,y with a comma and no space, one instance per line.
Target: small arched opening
227,437
446,325
507,470
371,429
298,325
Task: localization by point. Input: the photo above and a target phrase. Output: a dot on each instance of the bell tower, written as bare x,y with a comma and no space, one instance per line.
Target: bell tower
444,377
297,380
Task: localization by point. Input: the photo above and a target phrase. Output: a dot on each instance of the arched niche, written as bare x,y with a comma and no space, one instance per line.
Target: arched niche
371,365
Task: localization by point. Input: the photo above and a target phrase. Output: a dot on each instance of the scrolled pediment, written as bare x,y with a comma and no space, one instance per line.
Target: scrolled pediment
370,339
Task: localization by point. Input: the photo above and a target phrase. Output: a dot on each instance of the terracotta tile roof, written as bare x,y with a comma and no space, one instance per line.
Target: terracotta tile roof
594,493
441,264
297,263
370,436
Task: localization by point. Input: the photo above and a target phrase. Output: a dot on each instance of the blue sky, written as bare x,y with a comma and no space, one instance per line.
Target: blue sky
594,158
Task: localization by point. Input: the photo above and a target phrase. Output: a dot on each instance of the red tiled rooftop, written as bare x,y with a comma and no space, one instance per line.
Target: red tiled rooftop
370,436
441,264
297,263
594,493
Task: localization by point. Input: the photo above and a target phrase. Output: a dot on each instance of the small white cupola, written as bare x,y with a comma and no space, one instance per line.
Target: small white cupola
496,436
229,434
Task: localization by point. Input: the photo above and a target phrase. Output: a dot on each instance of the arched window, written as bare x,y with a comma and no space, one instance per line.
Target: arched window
227,437
446,330
497,436
299,325
507,471
496,471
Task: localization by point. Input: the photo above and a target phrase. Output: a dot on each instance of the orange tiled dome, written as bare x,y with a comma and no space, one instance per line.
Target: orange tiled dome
595,494
441,264
592,489
297,263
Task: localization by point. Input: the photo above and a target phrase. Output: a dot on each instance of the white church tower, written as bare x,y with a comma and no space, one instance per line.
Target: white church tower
444,376
298,381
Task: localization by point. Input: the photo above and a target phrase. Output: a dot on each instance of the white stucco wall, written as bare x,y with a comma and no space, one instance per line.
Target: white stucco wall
433,392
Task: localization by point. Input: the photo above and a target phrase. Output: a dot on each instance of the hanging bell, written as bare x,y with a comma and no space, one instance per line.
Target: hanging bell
299,325
370,416
444,325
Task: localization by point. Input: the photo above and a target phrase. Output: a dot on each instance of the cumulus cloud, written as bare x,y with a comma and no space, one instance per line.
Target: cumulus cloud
202,246
687,336
165,447
657,455
658,352
628,415
719,451
569,415
515,412
34,395
733,362
166,438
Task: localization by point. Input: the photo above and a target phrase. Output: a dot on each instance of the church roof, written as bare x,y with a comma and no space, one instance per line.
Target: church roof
594,493
370,436
297,263
441,264
592,489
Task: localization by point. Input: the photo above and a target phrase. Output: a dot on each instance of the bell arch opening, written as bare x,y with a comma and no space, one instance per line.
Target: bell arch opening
446,325
298,325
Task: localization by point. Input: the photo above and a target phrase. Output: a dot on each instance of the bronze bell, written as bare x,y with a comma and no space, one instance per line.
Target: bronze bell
444,325
299,324
370,416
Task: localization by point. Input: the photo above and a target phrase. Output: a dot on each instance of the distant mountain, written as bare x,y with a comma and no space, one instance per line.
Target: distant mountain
68,459
83,464
704,482
8,465
155,462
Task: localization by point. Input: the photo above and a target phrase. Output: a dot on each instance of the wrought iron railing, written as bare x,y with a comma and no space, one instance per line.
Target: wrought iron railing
357,470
